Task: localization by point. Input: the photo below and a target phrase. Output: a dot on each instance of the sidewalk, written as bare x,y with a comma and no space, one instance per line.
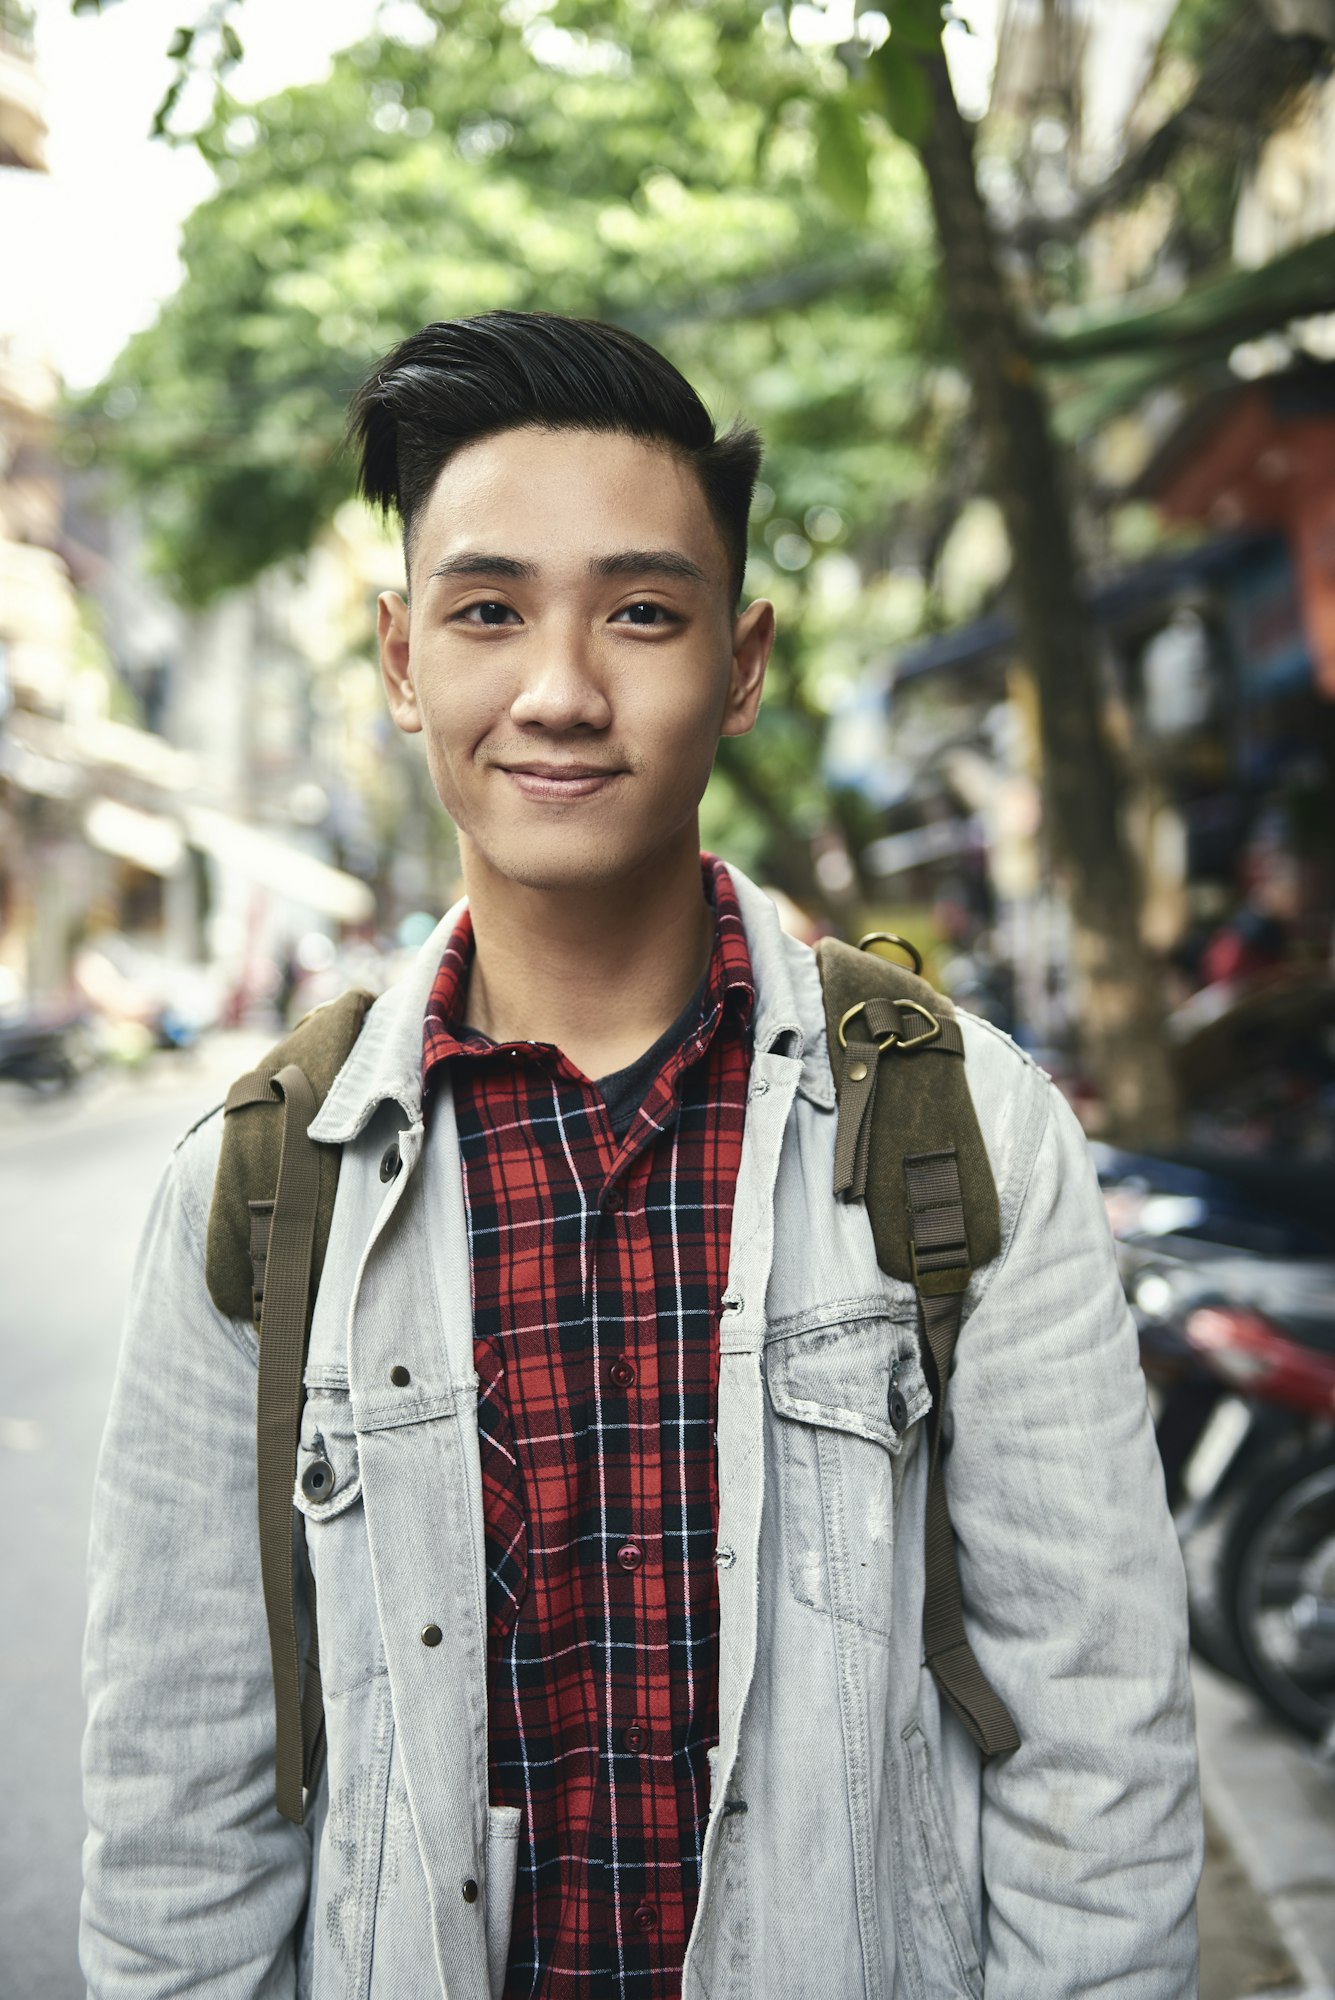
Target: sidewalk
1267,1905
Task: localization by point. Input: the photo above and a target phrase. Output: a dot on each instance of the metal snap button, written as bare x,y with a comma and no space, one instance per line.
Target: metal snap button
856,1072
898,1409
732,1302
390,1162
399,1376
469,1890
629,1556
431,1635
317,1481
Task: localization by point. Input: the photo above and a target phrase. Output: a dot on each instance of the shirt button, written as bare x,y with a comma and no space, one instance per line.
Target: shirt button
431,1635
469,1890
622,1372
629,1556
390,1162
646,1917
898,1410
635,1738
399,1376
317,1481
614,1201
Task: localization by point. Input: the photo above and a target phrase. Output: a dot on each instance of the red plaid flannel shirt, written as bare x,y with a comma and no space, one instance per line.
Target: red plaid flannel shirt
598,1269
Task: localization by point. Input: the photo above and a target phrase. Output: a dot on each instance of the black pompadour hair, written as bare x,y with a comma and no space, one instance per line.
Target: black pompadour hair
460,380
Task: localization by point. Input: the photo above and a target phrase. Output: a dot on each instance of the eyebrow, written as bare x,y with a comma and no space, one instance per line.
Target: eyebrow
625,563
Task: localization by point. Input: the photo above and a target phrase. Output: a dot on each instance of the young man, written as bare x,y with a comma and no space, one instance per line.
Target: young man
619,1560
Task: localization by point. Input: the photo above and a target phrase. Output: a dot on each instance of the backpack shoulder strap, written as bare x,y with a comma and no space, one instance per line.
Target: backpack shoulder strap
273,1202
252,1149
909,1144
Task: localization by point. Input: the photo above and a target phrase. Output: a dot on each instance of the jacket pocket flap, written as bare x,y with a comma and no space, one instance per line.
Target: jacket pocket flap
843,1378
329,1474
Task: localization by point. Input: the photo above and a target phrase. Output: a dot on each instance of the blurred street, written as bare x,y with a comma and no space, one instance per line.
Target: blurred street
76,1176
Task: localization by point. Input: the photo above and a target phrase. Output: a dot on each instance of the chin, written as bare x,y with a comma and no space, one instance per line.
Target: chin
546,861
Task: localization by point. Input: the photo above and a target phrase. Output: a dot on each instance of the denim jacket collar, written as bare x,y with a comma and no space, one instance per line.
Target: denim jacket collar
387,1060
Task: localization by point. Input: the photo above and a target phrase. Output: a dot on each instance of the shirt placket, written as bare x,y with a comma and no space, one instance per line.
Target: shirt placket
655,1919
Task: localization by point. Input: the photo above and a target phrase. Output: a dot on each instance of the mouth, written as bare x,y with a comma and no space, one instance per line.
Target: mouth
560,781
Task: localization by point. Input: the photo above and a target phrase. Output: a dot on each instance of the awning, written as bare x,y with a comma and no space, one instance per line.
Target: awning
1132,593
149,840
273,863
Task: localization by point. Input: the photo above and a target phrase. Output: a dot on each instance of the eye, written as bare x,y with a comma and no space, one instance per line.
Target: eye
489,612
645,613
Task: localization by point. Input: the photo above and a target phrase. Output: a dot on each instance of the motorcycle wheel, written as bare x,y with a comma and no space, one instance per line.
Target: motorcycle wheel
1278,1584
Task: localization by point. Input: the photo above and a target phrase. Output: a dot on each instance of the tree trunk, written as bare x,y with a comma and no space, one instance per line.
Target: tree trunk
1121,1005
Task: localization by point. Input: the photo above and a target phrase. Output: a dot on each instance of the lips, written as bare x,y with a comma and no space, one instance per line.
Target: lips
559,781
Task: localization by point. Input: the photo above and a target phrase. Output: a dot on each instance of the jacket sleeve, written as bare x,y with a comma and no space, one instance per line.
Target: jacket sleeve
192,1881
1076,1604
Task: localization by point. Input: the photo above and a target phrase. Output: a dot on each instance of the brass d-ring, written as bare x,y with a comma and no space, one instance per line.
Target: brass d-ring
886,1041
892,937
894,1040
911,1042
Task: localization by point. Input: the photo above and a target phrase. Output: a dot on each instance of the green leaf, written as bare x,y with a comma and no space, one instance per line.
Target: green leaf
166,108
180,44
916,24
901,91
233,49
89,6
842,153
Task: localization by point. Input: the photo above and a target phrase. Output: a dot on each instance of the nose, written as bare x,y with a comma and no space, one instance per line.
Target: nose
561,688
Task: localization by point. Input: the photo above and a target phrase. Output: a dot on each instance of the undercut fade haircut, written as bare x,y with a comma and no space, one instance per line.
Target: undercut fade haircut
460,380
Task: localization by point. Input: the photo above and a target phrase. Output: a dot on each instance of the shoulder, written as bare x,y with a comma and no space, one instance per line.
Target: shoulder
1016,1104
193,1167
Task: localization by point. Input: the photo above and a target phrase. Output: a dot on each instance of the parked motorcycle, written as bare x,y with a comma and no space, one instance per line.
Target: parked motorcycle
1230,1271
1277,1562
46,1056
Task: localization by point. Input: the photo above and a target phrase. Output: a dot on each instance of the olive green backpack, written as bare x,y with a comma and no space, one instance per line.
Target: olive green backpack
907,1143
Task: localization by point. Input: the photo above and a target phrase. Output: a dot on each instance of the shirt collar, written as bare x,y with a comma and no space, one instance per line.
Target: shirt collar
728,980
386,1063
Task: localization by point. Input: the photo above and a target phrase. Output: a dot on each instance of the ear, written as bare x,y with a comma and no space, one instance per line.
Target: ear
392,631
752,643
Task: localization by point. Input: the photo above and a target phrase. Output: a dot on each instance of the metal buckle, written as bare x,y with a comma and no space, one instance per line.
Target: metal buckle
938,1284
894,1040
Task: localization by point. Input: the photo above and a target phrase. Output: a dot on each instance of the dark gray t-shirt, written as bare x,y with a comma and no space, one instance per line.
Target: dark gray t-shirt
623,1091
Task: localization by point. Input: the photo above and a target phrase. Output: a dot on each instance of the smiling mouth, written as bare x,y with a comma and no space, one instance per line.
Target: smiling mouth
560,781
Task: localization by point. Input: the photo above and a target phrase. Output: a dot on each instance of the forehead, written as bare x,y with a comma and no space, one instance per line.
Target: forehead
556,496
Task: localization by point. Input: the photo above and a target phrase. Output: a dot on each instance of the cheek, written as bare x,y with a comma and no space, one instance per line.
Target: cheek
680,712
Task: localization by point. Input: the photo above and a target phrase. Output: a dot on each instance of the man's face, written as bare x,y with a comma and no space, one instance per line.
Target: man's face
570,653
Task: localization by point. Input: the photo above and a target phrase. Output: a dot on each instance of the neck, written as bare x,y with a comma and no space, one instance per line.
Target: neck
600,971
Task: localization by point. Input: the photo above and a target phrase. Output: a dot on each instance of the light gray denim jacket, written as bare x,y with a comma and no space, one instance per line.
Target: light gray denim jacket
875,1857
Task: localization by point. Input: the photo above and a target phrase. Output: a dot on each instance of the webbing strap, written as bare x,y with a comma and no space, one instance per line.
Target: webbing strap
286,1290
878,1026
941,1266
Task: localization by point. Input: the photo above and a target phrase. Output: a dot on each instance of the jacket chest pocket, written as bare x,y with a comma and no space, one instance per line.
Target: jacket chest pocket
847,1397
328,1493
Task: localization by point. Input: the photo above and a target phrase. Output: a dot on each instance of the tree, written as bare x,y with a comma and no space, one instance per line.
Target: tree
1122,1003
758,209
622,175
